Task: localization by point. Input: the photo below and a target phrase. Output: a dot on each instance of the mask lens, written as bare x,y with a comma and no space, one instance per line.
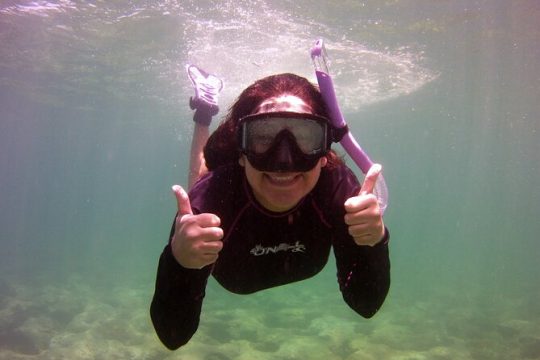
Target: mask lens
305,136
260,134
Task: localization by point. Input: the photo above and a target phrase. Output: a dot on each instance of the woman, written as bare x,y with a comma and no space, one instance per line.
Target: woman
272,202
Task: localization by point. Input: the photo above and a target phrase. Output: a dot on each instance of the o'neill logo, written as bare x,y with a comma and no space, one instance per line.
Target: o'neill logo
261,250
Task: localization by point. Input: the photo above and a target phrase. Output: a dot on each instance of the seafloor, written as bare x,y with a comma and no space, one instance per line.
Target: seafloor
77,320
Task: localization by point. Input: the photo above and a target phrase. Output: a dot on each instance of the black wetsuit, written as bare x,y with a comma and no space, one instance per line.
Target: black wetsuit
263,249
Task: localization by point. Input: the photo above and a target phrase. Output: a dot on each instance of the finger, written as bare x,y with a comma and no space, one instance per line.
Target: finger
202,221
206,220
360,203
212,247
354,219
204,225
192,231
371,179
182,200
359,230
210,234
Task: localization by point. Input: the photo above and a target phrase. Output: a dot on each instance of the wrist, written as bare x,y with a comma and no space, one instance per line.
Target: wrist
385,238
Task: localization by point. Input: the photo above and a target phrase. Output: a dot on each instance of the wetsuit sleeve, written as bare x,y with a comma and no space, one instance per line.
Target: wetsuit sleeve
177,302
363,274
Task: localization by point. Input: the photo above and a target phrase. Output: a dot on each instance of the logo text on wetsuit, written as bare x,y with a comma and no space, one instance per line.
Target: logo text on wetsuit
261,250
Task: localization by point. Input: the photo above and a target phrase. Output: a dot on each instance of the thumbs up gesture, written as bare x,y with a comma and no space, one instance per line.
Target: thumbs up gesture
363,215
196,241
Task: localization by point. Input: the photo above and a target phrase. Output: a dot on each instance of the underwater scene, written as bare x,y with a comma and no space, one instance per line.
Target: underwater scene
95,128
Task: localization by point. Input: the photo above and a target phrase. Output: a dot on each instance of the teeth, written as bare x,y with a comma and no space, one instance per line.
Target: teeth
282,178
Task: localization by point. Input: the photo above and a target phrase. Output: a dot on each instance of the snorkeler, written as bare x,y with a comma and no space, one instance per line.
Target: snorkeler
269,202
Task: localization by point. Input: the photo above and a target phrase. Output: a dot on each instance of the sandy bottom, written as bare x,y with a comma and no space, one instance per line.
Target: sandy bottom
74,320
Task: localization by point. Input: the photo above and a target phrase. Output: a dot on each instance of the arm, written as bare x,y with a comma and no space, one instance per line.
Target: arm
360,244
184,267
176,305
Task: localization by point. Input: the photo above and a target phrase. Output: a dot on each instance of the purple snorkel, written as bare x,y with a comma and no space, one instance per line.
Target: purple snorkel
351,146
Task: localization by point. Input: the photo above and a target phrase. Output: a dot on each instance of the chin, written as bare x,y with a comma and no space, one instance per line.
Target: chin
282,204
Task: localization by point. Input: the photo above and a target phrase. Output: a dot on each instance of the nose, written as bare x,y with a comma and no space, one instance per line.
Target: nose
284,159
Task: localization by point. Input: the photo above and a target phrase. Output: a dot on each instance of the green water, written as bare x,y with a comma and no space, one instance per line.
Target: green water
95,128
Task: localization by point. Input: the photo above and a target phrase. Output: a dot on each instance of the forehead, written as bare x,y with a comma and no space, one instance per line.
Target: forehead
283,103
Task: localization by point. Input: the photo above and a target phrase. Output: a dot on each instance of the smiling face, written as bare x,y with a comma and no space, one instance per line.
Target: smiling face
281,191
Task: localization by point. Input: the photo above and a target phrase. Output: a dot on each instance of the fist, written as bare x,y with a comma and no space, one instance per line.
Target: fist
196,241
363,214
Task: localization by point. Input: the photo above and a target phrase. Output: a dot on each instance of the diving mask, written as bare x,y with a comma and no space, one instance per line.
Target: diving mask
284,141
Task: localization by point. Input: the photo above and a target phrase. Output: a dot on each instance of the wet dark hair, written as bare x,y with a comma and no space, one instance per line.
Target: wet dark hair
222,146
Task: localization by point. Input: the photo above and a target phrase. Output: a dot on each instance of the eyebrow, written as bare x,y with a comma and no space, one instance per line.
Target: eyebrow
278,106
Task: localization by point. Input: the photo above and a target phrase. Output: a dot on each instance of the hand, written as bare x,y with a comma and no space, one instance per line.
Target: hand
197,238
363,214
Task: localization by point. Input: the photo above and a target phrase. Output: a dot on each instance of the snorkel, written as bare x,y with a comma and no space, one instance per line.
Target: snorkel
351,146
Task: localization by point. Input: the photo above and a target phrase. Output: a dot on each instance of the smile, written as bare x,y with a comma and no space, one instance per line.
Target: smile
281,179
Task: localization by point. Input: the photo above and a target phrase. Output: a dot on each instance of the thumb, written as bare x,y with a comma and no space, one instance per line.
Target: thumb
370,179
182,200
